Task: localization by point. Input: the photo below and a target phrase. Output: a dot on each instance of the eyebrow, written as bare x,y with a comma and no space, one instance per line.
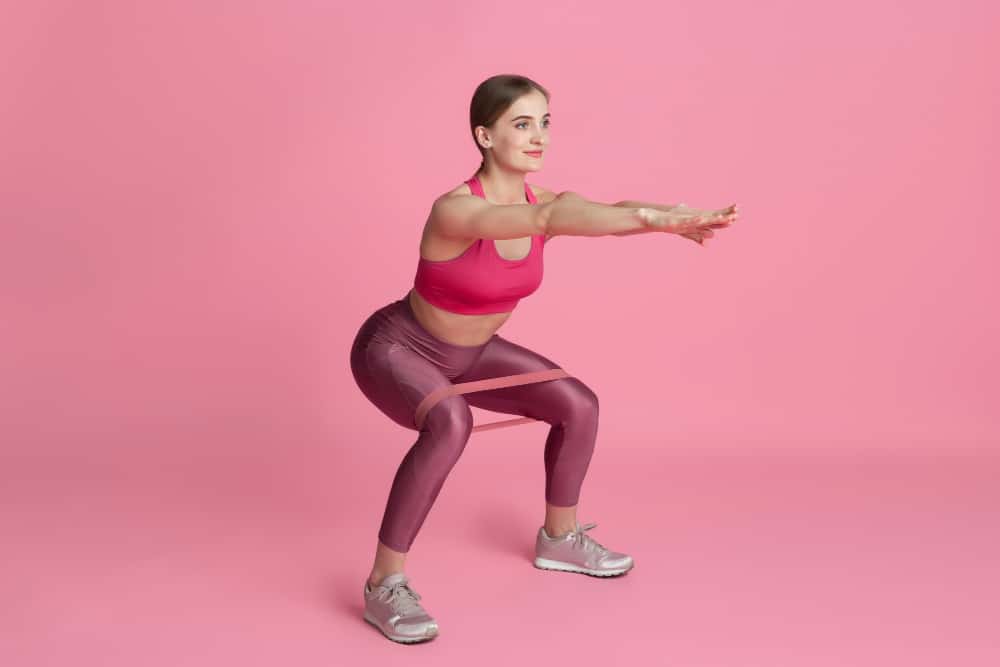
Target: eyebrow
528,117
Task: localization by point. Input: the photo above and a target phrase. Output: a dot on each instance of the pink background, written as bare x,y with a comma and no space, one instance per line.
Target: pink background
800,441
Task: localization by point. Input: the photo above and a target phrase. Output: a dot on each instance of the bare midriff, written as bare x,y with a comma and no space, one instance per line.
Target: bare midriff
455,328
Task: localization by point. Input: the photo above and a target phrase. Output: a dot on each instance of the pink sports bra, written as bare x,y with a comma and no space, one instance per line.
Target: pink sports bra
480,281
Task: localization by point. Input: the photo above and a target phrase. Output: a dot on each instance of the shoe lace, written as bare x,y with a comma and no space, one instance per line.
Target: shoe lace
402,598
583,541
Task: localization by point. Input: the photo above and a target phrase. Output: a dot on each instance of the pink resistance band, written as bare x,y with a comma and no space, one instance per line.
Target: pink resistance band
432,399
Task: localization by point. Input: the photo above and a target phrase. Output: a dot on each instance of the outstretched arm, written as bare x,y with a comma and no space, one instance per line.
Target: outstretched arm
577,216
658,207
676,208
569,214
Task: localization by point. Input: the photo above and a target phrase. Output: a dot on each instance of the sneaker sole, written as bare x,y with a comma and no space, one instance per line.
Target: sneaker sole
402,639
546,564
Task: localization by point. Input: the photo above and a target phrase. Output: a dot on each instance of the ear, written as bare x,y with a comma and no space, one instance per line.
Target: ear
482,138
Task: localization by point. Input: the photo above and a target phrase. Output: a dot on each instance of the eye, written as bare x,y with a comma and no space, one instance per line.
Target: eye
524,122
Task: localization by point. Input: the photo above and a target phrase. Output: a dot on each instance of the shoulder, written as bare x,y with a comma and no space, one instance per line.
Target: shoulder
449,211
542,195
460,189
458,198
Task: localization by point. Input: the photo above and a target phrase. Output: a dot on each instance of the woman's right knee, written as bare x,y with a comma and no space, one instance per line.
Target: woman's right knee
450,420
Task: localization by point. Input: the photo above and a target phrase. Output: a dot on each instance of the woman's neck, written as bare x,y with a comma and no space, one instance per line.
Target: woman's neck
503,187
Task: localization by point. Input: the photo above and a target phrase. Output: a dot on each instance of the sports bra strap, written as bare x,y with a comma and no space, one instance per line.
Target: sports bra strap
477,189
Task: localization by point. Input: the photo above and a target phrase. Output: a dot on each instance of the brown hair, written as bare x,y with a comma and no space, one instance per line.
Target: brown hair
493,97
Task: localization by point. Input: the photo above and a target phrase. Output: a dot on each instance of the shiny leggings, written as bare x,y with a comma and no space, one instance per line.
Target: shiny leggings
396,363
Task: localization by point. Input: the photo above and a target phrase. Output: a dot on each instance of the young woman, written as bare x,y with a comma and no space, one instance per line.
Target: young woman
481,251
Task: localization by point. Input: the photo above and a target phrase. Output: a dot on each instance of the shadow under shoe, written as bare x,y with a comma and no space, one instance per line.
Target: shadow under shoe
578,552
392,607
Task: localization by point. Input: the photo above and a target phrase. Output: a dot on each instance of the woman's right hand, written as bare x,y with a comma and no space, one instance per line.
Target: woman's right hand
684,222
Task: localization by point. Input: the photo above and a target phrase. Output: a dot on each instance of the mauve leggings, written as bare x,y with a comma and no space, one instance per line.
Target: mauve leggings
396,363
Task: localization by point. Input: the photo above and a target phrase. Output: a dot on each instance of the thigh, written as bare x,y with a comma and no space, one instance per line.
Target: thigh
550,401
396,379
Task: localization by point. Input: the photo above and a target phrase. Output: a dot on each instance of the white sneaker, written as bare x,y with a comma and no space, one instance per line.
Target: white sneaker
578,552
392,607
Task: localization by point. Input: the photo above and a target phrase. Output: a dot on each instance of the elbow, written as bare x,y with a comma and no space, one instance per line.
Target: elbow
543,219
546,211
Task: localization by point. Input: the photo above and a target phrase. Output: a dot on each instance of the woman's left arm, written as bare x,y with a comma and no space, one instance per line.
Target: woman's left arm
545,195
659,207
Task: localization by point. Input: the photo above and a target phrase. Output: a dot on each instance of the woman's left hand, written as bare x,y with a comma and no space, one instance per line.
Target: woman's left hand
725,216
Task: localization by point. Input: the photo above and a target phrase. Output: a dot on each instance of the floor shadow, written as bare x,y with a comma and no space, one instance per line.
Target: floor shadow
499,529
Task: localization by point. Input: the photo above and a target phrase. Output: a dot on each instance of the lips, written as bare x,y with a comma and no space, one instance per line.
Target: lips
534,153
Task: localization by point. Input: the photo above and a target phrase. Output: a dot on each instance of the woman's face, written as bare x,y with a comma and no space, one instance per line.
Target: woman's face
519,138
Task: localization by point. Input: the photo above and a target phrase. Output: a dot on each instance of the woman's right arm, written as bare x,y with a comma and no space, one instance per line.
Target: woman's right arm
471,217
572,215
568,214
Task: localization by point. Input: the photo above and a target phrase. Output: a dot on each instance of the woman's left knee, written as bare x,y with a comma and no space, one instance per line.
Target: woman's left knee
582,400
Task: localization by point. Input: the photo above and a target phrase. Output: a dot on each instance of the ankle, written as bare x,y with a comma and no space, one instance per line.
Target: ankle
375,578
558,531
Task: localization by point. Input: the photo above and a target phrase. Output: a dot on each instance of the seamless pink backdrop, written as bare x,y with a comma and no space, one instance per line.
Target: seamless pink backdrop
202,201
